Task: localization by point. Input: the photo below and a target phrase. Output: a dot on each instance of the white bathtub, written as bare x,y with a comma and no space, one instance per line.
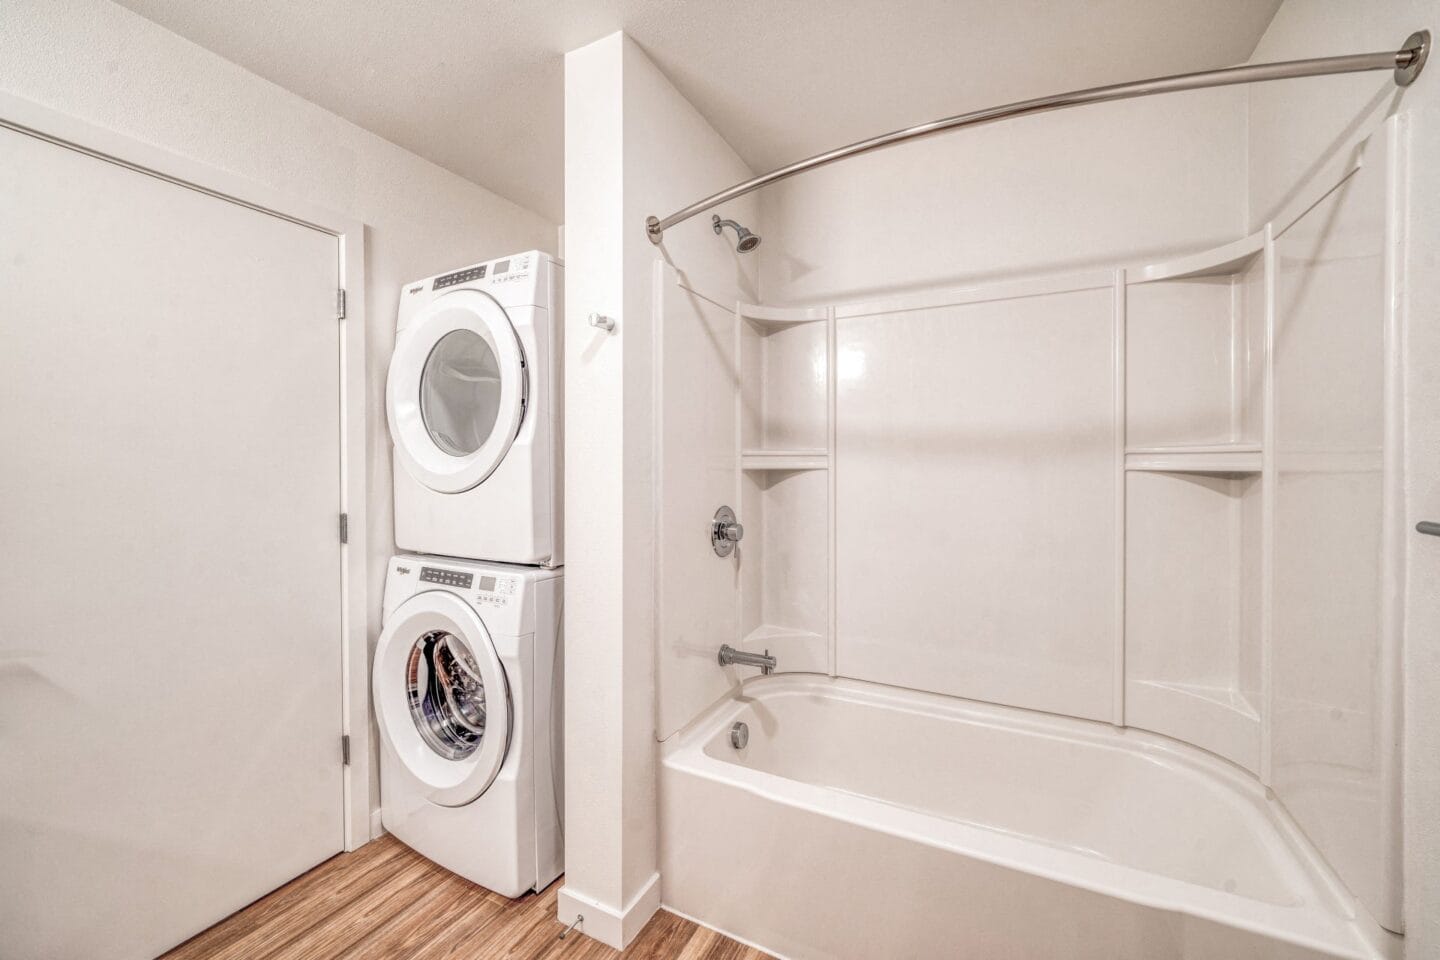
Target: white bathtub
866,822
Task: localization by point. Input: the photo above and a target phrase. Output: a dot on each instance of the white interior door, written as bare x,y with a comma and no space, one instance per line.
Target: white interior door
170,626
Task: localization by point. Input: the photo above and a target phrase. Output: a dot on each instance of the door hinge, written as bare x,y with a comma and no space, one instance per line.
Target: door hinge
340,303
345,750
344,528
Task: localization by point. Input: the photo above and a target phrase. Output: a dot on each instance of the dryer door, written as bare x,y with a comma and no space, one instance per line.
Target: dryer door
457,391
441,698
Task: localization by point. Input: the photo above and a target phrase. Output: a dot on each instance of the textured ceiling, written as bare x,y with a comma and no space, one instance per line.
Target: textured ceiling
477,87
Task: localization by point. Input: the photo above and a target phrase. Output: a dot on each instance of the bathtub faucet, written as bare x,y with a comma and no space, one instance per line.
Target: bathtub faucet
764,661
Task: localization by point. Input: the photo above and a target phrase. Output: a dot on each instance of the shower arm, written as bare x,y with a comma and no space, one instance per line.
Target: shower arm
1406,62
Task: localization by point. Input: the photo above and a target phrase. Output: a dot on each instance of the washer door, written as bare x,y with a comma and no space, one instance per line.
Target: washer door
457,391
441,698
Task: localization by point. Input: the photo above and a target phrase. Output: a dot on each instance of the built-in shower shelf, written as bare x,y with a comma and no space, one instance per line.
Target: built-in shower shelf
808,459
779,315
1226,260
1212,458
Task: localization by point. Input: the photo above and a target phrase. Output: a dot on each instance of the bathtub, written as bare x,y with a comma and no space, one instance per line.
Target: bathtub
866,822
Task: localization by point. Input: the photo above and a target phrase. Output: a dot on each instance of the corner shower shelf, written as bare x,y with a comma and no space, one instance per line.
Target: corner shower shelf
1201,458
1224,260
780,316
807,459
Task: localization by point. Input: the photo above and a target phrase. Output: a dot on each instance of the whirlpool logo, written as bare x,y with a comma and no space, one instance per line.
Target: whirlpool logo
402,570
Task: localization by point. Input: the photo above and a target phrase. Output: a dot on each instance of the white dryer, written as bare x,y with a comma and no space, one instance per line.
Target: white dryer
468,699
474,404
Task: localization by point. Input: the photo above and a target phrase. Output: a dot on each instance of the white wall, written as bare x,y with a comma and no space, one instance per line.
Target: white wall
1103,185
1292,124
113,68
634,147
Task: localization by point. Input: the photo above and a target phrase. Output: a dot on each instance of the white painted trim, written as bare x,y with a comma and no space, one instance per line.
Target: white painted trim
614,928
979,293
33,119
377,824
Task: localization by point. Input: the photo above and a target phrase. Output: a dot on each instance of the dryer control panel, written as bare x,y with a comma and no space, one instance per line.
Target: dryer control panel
450,578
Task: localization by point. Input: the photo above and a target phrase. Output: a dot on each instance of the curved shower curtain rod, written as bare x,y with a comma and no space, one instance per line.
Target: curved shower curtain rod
1407,63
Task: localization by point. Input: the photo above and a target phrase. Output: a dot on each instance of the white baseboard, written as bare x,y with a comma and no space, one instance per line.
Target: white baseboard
614,928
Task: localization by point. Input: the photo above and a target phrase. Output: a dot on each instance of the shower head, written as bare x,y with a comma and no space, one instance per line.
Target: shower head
745,241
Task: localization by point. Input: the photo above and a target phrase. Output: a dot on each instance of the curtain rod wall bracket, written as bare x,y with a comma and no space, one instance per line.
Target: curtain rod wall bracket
1418,46
1406,63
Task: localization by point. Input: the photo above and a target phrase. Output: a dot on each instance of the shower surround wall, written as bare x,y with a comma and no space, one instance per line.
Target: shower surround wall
1296,130
1139,495
1120,338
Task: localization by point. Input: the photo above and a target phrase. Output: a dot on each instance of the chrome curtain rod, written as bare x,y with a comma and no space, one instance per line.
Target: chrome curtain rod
1407,63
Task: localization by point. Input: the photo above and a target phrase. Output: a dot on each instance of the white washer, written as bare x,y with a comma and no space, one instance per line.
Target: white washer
468,700
473,399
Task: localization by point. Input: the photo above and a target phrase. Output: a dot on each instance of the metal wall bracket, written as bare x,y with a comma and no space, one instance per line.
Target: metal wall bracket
1418,46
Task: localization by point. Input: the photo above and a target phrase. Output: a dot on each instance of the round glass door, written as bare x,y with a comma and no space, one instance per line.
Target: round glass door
442,700
460,392
457,391
446,694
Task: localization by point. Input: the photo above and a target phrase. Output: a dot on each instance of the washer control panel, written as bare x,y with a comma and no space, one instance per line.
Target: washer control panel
503,594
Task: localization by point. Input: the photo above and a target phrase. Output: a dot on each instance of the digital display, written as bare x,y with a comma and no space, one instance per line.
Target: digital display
449,578
501,266
487,583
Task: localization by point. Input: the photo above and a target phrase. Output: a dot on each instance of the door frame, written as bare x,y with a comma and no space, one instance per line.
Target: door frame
35,120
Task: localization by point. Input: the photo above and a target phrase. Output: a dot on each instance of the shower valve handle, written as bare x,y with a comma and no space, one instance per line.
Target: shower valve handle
725,532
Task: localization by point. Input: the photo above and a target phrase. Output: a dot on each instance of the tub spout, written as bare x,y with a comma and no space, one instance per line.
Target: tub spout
764,661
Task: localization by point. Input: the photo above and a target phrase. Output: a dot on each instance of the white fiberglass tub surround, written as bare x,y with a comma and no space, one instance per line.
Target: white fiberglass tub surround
864,821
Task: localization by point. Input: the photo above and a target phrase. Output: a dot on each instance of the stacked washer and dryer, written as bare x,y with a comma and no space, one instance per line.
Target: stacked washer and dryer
467,679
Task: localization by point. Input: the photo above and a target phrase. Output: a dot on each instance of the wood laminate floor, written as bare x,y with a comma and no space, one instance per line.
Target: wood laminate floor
386,902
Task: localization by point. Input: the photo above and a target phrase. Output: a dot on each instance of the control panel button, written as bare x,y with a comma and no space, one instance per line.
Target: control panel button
459,276
448,578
